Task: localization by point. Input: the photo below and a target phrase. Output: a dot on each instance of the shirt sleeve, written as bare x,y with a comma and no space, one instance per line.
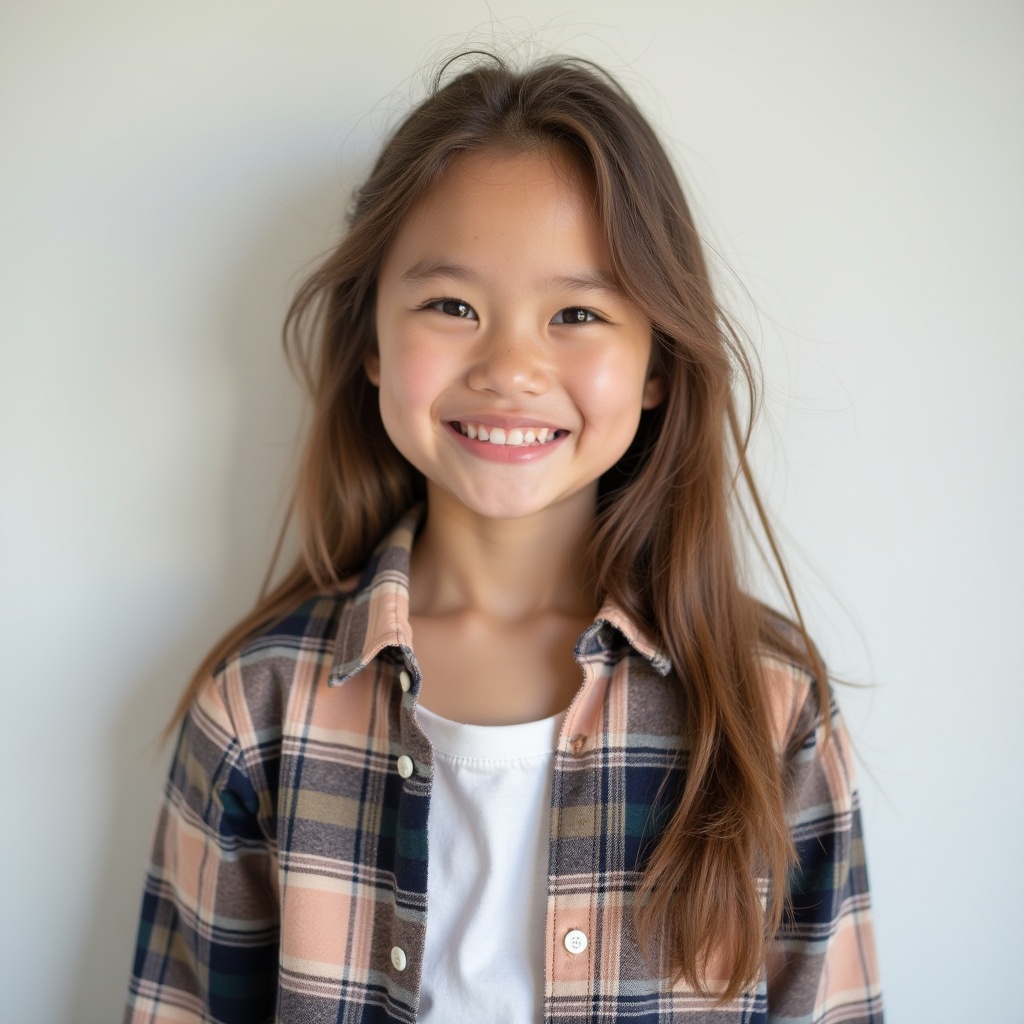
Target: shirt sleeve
207,945
822,968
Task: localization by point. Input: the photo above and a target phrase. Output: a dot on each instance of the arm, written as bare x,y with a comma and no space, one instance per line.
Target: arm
822,967
207,941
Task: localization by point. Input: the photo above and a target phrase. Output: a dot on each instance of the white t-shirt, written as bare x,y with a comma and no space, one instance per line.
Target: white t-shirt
487,849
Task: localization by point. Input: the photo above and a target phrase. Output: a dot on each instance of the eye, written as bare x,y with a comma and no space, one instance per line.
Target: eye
452,307
576,315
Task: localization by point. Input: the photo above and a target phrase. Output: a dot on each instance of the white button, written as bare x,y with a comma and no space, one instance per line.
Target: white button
398,958
575,941
405,766
405,679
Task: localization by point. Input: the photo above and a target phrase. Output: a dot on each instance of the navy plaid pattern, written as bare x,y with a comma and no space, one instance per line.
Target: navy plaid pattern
290,856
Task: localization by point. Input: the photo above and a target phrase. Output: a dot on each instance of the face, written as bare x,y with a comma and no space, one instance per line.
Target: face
512,371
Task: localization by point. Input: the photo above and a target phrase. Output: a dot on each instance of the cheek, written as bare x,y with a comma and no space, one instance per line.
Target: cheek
609,390
411,379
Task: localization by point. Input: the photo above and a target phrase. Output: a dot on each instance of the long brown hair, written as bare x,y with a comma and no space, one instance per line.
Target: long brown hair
664,549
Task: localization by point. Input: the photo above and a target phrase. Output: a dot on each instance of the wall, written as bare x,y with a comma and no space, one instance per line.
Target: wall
170,170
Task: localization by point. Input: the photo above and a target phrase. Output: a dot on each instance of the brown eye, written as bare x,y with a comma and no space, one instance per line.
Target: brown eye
454,307
575,315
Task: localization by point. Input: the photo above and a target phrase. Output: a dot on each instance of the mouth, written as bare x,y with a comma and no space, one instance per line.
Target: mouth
512,437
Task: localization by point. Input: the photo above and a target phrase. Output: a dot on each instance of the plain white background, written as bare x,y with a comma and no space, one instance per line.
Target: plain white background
169,171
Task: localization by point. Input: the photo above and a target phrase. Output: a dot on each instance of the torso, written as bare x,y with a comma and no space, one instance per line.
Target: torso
483,673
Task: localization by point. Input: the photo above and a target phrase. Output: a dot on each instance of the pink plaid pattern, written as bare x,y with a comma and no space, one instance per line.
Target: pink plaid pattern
290,857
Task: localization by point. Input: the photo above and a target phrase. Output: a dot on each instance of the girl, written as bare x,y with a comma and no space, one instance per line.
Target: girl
510,743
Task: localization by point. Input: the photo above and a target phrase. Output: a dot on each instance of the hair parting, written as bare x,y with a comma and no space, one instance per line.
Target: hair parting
664,549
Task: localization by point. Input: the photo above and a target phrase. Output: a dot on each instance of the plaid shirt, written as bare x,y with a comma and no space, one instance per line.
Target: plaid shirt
289,872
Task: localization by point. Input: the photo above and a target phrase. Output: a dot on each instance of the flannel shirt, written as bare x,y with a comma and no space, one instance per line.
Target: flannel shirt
289,872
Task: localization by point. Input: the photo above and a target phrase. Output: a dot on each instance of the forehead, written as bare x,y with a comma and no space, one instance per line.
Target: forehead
507,204
547,170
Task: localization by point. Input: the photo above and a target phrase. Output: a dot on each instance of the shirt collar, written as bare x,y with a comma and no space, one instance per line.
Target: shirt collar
376,615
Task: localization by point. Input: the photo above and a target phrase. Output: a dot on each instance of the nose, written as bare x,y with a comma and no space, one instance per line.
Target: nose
510,362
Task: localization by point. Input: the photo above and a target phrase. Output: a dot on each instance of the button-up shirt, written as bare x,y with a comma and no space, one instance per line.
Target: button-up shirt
289,872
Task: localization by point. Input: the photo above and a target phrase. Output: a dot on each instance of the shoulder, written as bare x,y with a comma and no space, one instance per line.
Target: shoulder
305,631
811,741
248,693
791,692
795,684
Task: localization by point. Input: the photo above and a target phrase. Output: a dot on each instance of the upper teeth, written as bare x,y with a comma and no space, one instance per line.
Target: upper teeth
515,436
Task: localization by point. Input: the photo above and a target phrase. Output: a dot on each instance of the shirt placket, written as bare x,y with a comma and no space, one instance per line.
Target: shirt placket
412,762
572,940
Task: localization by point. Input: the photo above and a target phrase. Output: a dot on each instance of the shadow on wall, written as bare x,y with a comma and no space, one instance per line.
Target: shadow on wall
266,431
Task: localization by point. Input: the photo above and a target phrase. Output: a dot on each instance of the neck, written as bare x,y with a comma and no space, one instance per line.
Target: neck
508,569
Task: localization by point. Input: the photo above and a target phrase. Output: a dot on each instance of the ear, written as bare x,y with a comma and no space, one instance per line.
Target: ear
654,391
371,364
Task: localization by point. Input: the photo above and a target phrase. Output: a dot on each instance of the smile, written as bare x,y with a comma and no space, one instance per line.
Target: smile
514,437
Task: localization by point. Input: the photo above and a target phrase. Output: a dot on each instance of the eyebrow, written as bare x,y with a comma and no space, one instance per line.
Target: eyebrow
591,280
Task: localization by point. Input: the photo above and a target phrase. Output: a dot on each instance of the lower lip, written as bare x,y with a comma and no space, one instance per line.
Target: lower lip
509,453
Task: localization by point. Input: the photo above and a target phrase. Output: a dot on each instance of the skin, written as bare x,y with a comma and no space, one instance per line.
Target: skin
498,598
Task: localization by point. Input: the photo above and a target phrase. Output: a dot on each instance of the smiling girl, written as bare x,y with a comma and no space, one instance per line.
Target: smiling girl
510,743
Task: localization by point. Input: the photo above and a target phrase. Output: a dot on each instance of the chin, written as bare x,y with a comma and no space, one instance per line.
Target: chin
509,503
505,507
